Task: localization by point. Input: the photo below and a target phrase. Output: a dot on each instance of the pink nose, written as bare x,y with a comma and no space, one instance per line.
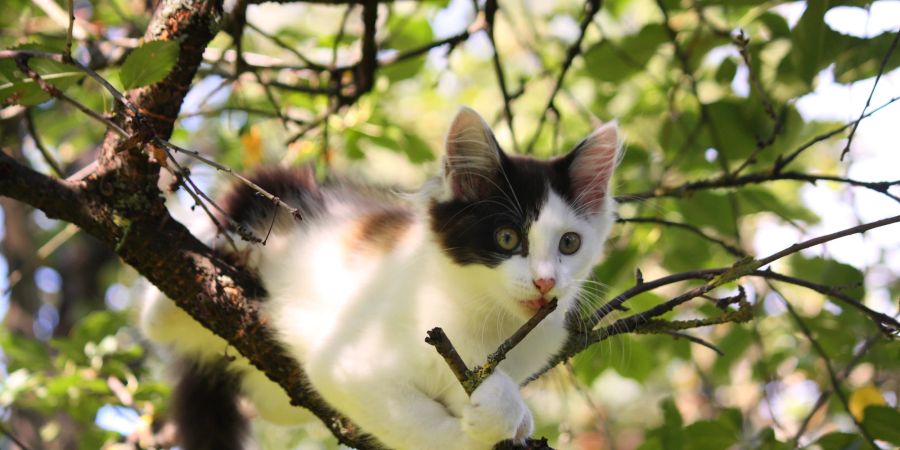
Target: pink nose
544,284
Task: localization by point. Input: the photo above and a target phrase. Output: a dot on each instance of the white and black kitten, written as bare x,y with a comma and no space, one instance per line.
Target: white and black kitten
354,286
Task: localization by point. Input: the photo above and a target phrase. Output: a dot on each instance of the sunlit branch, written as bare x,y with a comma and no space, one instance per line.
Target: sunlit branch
727,181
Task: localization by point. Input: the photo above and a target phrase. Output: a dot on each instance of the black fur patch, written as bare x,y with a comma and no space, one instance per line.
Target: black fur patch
205,407
465,229
295,186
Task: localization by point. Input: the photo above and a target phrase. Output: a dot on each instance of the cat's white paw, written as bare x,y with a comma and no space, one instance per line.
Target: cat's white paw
496,412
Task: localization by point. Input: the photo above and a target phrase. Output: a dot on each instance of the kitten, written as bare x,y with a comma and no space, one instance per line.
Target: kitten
354,286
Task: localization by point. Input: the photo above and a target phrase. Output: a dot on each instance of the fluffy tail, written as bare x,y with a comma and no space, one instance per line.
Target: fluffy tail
206,407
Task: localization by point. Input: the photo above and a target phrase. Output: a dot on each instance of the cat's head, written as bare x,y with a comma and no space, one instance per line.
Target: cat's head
522,231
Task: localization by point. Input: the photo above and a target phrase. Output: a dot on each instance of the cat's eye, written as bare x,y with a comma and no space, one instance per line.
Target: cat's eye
569,243
507,238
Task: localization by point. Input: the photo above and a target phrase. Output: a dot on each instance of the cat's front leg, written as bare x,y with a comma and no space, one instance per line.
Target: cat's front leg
496,412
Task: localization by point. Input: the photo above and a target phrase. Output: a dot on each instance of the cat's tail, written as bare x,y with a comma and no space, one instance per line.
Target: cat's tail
206,406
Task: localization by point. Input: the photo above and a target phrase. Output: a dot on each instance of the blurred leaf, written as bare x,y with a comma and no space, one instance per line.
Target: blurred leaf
615,61
767,441
16,87
735,343
829,273
725,72
406,32
753,199
671,432
148,64
709,208
862,58
710,435
842,441
881,422
22,352
776,24
416,149
809,39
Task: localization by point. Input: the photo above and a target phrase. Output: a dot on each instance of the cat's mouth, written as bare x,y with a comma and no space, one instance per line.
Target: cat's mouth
535,303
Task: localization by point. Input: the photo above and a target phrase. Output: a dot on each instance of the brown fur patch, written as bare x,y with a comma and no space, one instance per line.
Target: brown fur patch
379,230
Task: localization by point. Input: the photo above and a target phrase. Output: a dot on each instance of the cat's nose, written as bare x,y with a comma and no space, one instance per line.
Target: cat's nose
544,284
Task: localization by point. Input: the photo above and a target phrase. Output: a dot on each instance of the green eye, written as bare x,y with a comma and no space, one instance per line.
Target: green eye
507,238
569,243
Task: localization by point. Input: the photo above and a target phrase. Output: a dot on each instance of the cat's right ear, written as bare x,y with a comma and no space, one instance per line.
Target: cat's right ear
474,159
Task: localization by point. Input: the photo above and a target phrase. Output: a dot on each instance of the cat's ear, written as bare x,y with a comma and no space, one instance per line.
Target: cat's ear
590,166
474,160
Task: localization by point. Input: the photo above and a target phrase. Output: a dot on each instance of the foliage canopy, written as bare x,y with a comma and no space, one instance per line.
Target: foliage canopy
699,340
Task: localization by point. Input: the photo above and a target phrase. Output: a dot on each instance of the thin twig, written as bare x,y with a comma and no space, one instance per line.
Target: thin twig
694,339
22,63
48,158
437,338
685,226
884,62
471,379
832,376
828,237
591,9
823,397
887,324
222,168
12,437
67,53
490,13
727,181
780,162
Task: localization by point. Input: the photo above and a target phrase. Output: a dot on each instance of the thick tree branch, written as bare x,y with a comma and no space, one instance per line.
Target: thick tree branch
121,205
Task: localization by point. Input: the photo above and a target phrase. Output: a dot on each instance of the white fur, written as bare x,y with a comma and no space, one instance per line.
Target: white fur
357,324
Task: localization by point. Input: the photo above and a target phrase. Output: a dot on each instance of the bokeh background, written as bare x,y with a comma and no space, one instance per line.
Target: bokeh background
702,90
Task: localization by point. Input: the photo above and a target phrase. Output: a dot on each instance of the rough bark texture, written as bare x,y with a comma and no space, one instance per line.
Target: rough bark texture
121,205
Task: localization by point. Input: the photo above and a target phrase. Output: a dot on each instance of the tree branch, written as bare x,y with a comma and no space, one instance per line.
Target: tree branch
121,205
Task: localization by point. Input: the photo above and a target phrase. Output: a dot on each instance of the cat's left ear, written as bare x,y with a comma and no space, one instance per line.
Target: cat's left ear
590,166
474,161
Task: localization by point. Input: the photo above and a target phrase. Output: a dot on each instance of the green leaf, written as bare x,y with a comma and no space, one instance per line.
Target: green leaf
767,441
809,40
787,204
709,435
671,432
16,87
882,422
841,441
148,64
406,33
709,208
862,58
616,61
416,149
829,272
725,72
22,352
96,326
